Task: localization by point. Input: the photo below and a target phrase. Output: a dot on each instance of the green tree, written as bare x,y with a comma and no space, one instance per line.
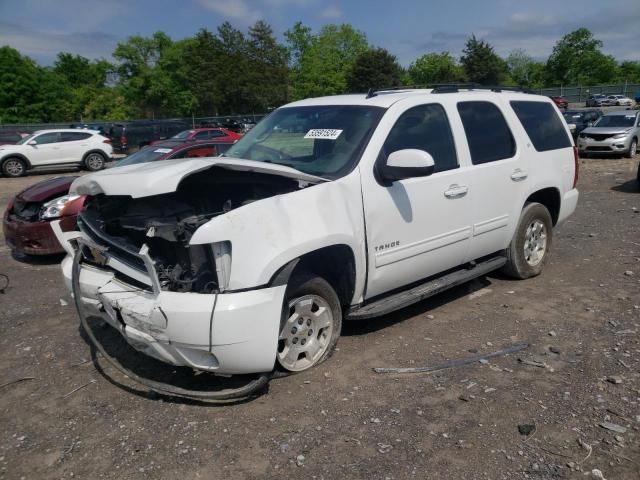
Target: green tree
629,72
28,92
374,67
524,71
577,60
481,63
433,68
324,58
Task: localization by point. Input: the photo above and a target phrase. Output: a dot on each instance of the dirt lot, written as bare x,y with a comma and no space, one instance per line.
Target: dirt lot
342,420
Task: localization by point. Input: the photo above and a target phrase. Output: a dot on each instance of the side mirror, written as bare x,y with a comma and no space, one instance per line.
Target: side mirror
406,163
32,142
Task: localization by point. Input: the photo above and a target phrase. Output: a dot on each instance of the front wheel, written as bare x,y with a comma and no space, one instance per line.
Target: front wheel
94,161
632,149
14,167
310,325
531,243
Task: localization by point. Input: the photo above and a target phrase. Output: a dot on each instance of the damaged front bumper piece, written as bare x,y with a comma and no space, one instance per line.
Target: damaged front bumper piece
223,333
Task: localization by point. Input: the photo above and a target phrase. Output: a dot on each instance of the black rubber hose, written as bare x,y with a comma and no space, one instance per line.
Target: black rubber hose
159,387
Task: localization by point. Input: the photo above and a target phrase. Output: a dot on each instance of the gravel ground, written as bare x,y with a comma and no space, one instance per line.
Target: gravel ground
572,405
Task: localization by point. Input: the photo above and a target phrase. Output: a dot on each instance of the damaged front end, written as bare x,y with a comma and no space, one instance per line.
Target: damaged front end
138,271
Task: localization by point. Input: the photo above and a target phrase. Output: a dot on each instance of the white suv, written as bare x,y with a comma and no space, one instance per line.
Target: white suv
55,148
330,208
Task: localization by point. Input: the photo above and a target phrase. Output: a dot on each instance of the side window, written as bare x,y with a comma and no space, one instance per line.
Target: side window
73,136
47,138
542,124
202,135
217,133
487,132
426,128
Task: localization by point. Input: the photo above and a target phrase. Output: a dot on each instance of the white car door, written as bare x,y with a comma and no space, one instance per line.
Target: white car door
75,144
500,175
419,226
45,150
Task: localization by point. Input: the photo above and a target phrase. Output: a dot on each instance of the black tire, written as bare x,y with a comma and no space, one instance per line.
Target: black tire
296,330
14,167
521,263
632,149
94,161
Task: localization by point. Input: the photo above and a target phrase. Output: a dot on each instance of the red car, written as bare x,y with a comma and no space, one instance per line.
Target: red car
200,134
26,224
561,102
10,137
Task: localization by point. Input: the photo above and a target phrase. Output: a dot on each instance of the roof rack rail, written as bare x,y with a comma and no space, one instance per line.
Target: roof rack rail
449,88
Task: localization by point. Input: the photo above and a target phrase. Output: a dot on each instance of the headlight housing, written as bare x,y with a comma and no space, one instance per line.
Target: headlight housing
620,135
54,208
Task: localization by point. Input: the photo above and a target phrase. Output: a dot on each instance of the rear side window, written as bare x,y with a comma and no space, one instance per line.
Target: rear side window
488,134
542,124
74,136
426,128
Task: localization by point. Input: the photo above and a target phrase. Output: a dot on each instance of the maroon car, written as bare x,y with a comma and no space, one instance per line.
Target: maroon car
26,223
561,102
10,137
27,228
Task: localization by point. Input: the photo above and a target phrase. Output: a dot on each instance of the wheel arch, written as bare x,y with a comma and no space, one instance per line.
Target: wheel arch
550,198
335,263
16,155
95,150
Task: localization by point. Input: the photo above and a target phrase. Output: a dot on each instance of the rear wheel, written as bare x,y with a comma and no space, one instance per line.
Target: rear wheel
94,161
310,325
14,167
531,243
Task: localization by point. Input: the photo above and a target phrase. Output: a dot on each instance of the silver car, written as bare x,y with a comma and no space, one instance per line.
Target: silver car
614,132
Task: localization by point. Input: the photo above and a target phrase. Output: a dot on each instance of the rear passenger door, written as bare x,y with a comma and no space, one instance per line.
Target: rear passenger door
74,145
500,174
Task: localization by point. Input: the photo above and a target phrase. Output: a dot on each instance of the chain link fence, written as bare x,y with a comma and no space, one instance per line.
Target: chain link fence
581,93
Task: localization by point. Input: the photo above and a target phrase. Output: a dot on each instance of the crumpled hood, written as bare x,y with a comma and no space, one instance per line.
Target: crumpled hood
606,130
155,178
51,188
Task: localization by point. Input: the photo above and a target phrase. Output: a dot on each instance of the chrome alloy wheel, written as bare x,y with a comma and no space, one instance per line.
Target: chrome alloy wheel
14,168
306,334
535,243
95,161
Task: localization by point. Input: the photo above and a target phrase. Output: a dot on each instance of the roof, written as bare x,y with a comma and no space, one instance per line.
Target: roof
65,130
630,113
387,98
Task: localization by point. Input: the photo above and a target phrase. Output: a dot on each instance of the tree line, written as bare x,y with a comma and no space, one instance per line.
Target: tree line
233,72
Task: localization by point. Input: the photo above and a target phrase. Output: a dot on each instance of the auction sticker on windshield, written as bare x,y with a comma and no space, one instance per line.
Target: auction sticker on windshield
162,150
323,133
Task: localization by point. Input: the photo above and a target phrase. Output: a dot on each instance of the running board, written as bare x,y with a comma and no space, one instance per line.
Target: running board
425,290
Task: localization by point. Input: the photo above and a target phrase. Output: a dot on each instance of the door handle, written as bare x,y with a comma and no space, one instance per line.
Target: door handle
456,191
518,175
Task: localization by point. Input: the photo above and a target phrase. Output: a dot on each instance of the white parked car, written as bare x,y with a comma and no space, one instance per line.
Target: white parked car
55,148
620,100
361,206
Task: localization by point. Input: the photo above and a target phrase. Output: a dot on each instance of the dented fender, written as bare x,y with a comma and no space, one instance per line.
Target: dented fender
267,234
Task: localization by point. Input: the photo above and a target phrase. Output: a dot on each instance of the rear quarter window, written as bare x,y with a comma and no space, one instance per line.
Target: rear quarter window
542,124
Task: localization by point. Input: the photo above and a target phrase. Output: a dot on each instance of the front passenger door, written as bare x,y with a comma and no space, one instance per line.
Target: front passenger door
46,150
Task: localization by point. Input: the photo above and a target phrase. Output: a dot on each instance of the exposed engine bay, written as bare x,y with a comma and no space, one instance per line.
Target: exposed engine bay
166,223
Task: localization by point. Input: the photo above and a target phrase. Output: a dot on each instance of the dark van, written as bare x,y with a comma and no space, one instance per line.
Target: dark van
131,136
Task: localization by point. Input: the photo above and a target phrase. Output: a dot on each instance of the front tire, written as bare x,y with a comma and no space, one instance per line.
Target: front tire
14,167
311,324
531,243
94,161
632,149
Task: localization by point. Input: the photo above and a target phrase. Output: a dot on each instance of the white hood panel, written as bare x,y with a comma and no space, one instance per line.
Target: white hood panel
164,176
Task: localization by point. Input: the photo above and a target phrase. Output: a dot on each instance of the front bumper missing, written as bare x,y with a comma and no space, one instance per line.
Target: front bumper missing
226,333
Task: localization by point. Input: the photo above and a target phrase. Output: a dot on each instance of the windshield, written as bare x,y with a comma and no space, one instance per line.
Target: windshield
149,154
26,139
573,116
325,141
182,135
616,121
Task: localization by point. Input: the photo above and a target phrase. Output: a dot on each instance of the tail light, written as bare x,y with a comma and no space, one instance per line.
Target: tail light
123,140
107,140
576,165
